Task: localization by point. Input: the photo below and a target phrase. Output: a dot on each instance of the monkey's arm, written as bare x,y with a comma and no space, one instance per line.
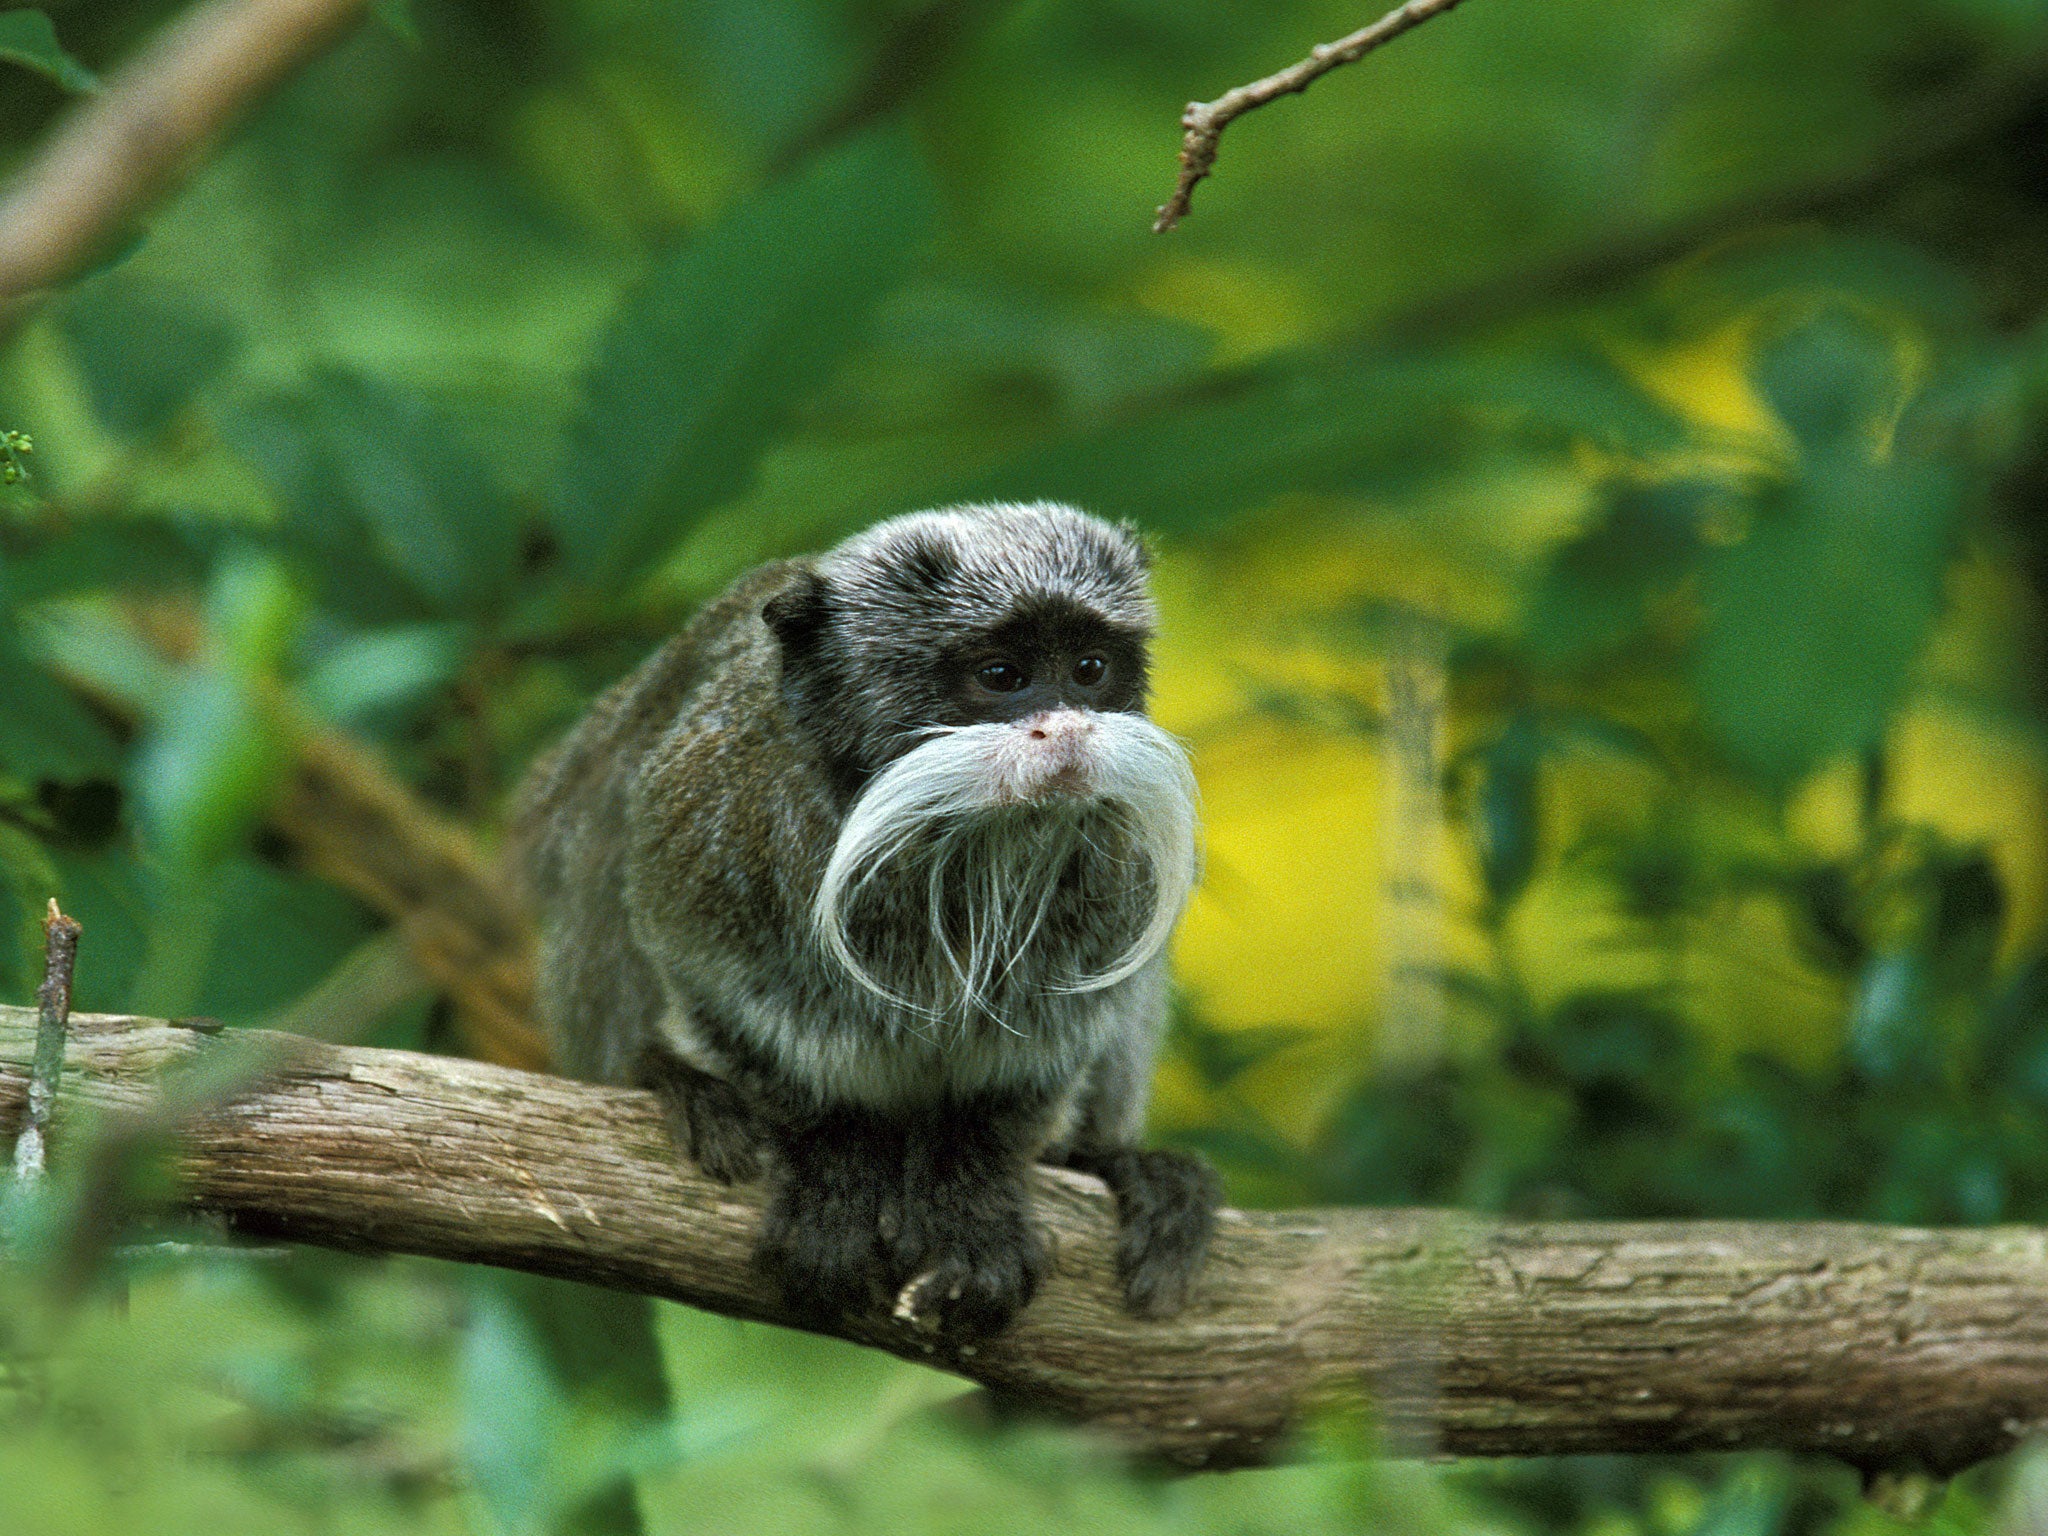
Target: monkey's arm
1165,1200
1165,1216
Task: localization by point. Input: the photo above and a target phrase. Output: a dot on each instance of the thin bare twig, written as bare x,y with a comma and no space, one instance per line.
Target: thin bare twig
53,1018
129,144
1206,120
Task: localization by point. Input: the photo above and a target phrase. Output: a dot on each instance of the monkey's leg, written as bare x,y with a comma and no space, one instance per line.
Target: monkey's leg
821,1242
710,1119
1166,1210
964,1219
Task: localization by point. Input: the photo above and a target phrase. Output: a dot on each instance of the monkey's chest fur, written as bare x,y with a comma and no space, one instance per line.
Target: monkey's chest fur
973,940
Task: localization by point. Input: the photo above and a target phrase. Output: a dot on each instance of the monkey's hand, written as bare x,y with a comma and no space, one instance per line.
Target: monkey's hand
962,1234
709,1119
1166,1210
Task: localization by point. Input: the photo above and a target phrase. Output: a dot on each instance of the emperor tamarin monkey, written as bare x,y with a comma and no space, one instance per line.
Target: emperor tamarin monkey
869,874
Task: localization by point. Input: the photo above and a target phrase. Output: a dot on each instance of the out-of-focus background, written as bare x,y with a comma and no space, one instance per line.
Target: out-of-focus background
1595,455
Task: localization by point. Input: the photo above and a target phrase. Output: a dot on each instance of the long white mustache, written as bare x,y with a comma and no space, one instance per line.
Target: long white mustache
952,801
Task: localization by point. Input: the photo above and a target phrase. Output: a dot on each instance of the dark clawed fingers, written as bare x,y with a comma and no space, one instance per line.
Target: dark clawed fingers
1166,1213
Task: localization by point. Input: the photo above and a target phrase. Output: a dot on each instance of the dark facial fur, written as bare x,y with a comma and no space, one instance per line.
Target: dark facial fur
882,637
870,870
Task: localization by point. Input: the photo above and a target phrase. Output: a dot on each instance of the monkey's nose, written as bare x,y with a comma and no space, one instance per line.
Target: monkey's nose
1064,725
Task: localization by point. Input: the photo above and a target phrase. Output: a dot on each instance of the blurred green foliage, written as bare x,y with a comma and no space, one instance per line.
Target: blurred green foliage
27,38
1680,368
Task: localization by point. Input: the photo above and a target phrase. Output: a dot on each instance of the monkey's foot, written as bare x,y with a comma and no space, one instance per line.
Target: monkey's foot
819,1244
709,1119
1166,1210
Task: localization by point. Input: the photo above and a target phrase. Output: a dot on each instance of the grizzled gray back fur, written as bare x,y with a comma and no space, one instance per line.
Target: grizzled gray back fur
599,999
678,839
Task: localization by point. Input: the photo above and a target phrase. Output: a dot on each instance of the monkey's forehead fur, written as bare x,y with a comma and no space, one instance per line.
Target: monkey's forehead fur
973,566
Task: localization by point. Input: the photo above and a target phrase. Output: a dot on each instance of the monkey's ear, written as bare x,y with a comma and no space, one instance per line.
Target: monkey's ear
797,613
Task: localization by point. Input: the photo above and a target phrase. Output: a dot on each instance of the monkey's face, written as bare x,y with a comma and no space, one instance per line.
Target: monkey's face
1042,679
975,680
975,616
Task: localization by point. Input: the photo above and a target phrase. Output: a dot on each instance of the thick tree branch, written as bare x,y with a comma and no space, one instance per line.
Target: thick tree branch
1887,1346
1204,121
126,146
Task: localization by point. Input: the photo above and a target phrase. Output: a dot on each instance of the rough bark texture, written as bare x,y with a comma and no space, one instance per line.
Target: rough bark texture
1887,1346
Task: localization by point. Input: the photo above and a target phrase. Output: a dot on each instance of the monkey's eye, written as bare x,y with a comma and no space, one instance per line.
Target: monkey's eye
1090,670
1003,677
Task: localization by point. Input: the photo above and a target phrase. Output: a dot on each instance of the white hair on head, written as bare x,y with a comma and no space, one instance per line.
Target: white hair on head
955,812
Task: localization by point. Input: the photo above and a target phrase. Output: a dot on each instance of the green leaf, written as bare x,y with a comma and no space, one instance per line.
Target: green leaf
1596,589
1094,361
252,613
207,772
513,1419
1750,1503
1189,464
27,38
106,890
218,750
365,675
28,879
320,526
45,733
2016,1030
1831,379
122,553
704,363
1826,922
290,931
398,17
1969,906
1815,618
145,350
769,68
89,643
1617,1038
431,506
1561,397
2021,18
1220,1057
1891,1019
1507,809
386,511
1801,265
